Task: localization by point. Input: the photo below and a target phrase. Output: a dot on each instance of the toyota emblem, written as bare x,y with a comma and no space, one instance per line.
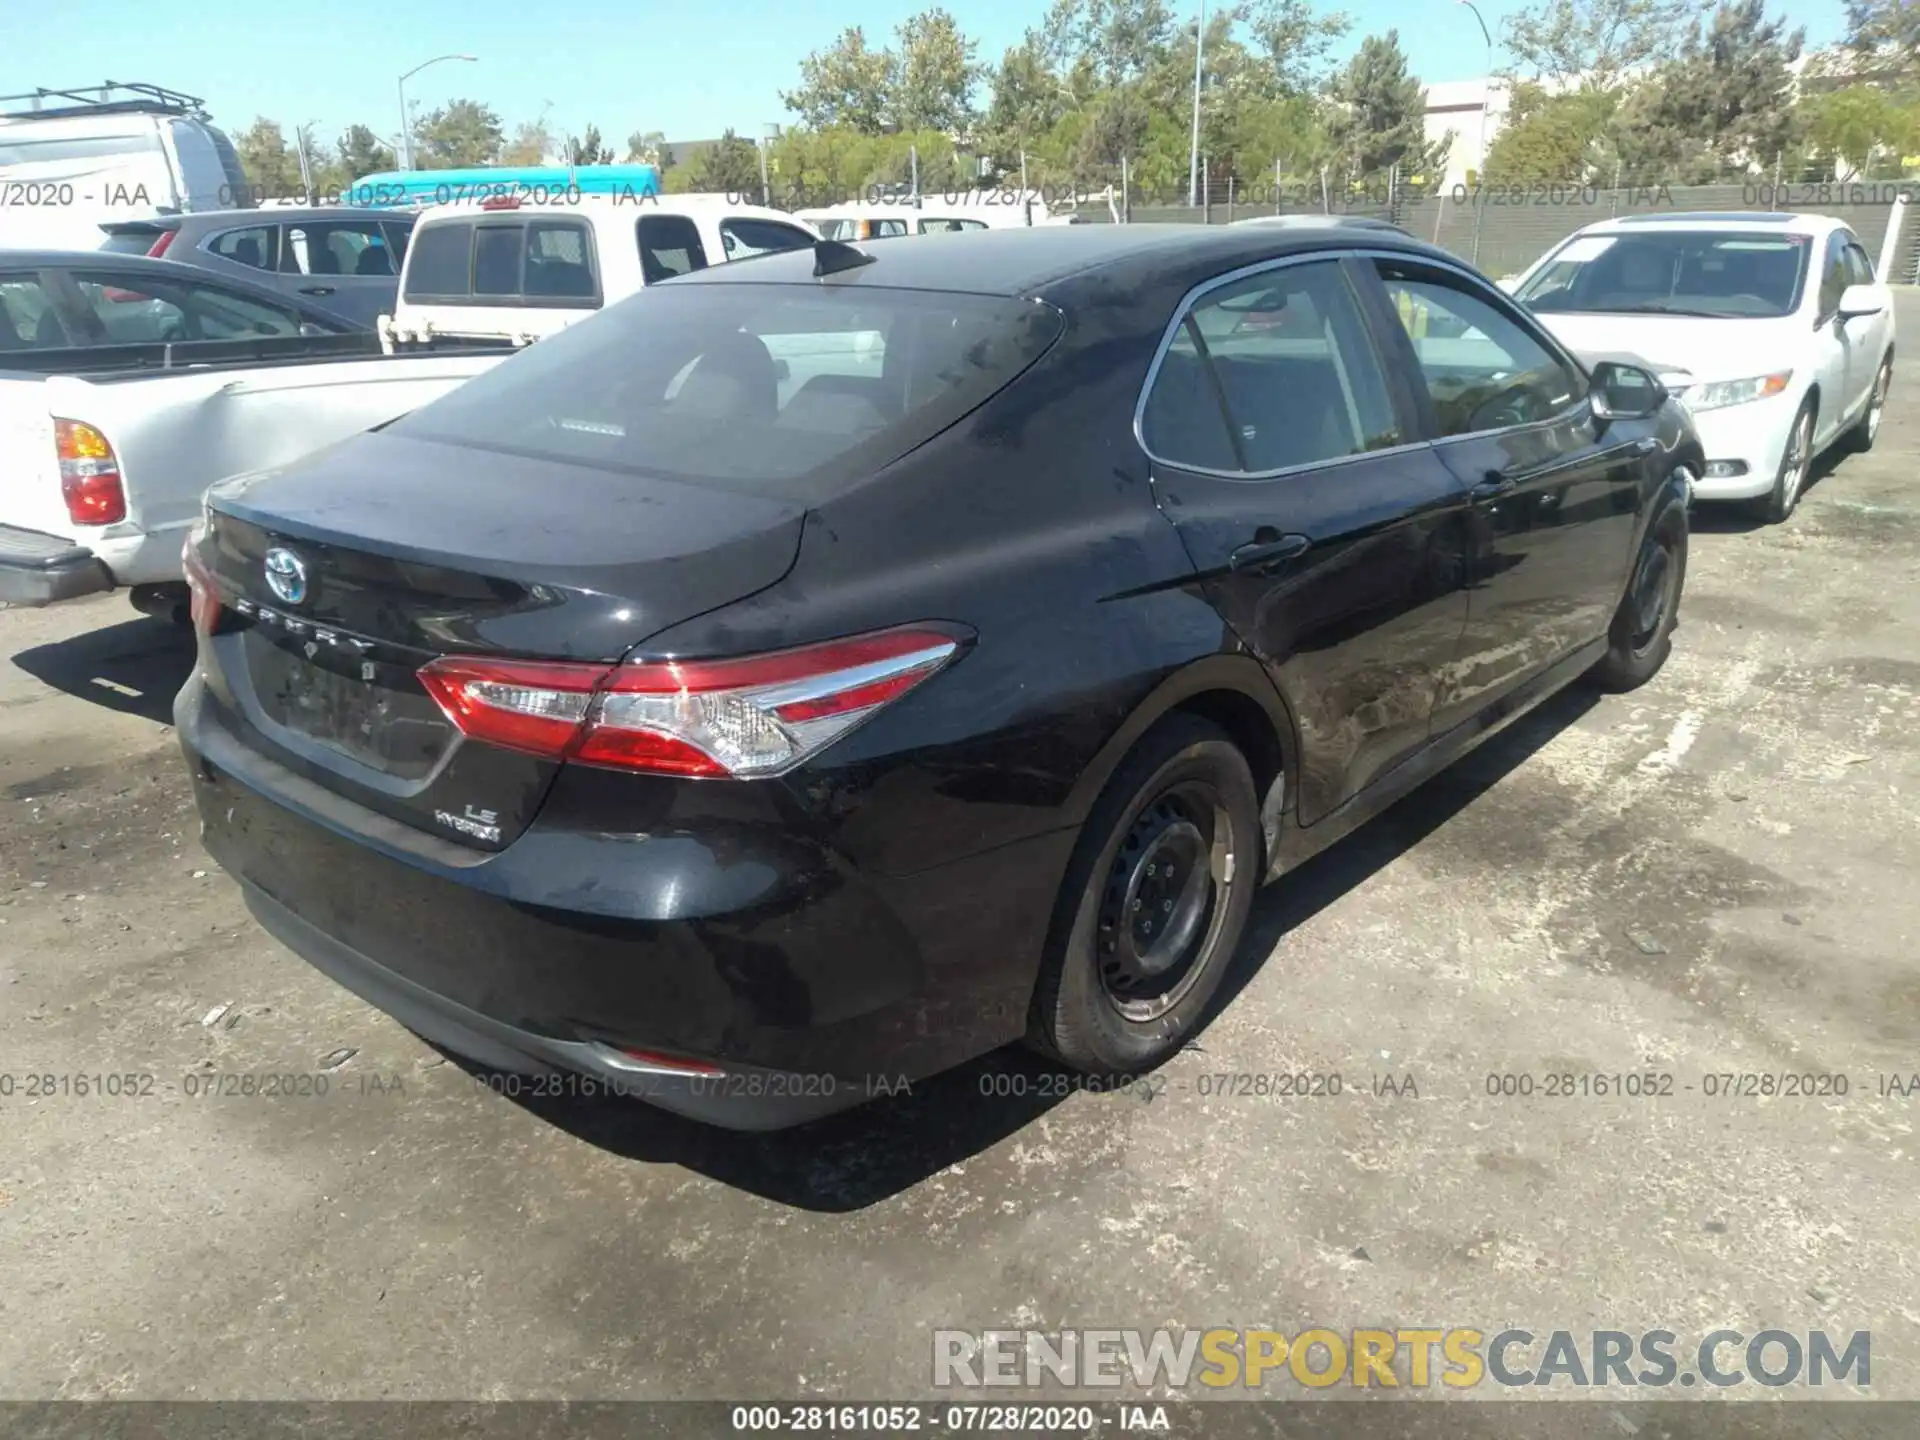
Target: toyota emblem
286,575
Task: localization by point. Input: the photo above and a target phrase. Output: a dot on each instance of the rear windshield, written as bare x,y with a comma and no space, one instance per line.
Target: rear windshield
510,262
1724,274
756,386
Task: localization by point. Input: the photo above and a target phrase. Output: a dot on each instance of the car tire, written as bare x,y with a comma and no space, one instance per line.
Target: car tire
1860,439
1641,635
1175,839
1795,462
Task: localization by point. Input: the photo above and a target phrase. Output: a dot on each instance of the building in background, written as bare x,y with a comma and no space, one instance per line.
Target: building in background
1454,114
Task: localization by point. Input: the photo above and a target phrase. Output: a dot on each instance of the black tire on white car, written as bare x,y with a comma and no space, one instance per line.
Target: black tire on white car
1867,429
1795,461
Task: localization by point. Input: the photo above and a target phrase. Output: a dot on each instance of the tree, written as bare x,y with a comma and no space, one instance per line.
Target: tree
1294,41
1595,44
361,153
645,147
1028,100
1857,124
459,134
1379,113
1549,137
731,165
1727,100
845,85
531,144
272,167
1118,40
587,148
1883,37
933,79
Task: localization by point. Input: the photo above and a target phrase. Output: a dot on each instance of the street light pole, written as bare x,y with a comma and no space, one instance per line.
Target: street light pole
406,121
1193,153
1486,86
1486,100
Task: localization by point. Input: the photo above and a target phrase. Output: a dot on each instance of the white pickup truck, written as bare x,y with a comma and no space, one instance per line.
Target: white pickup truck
105,453
510,271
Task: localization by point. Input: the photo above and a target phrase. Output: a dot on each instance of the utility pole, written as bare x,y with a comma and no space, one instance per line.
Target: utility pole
1193,152
406,120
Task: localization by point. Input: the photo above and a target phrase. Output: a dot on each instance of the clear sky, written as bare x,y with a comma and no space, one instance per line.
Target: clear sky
688,69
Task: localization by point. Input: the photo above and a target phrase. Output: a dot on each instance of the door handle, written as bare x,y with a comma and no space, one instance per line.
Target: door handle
1262,554
316,289
1493,487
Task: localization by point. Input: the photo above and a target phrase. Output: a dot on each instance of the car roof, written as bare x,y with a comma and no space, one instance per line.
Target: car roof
1784,222
1023,259
292,214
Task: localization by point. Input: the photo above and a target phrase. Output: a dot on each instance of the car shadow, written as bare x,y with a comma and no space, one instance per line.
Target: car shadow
861,1157
135,667
1308,889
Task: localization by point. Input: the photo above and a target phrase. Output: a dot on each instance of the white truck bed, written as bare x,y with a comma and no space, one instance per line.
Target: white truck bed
176,428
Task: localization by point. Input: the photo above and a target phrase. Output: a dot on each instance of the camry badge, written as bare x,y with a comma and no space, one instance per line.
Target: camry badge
286,575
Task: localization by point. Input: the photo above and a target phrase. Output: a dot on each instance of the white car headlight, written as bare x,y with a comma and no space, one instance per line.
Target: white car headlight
1721,393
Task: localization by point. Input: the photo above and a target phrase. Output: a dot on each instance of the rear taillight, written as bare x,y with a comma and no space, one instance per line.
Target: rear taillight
747,717
203,602
89,474
160,245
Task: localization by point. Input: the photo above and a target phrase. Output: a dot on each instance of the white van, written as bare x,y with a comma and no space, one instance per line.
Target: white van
504,269
72,159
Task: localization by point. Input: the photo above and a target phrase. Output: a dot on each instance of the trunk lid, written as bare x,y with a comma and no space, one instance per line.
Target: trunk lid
388,552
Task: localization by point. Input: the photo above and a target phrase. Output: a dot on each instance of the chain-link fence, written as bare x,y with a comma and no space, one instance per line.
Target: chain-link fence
1504,228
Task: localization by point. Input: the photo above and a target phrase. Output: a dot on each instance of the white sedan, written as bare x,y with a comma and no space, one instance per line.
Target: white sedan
1772,329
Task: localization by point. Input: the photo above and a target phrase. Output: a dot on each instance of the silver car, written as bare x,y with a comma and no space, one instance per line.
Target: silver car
341,258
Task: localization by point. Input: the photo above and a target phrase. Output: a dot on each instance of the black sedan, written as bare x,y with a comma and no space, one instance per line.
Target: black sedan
808,674
81,299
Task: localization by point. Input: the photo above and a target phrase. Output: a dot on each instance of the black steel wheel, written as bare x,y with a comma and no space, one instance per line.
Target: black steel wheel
1153,903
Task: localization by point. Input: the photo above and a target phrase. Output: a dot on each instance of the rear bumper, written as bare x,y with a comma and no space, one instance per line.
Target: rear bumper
744,947
37,569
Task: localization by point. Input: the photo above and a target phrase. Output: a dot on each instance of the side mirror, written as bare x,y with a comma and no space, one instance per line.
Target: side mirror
1625,392
312,331
1861,300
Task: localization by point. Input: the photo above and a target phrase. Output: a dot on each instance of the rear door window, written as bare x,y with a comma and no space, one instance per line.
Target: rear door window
498,253
256,246
336,247
669,246
28,320
769,387
440,266
1289,358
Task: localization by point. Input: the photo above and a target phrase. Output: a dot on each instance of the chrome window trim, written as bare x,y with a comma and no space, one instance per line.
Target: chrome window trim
1444,263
